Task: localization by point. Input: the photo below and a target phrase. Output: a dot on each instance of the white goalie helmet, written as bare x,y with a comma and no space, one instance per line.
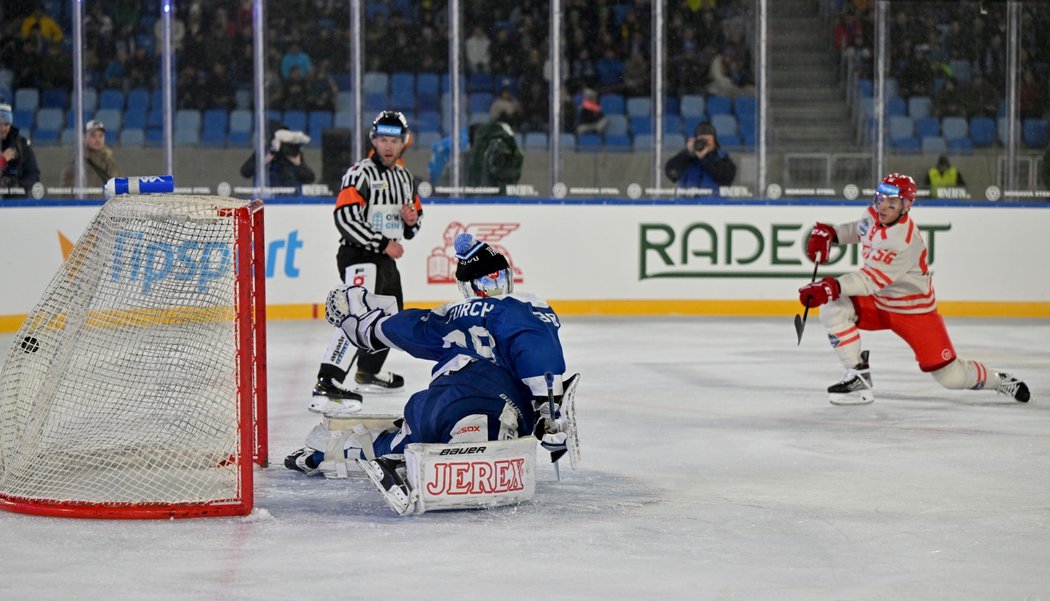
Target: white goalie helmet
482,271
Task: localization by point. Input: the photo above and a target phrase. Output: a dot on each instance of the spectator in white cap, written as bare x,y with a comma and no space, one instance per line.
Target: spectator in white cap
18,168
99,164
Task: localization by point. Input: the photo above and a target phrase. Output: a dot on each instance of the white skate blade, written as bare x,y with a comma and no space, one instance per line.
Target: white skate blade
375,389
330,408
857,397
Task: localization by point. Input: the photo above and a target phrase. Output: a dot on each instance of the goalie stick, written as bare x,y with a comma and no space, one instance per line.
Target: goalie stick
550,401
800,322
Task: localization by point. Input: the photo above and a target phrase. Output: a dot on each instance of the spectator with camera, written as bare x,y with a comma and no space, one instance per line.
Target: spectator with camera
285,165
702,164
18,168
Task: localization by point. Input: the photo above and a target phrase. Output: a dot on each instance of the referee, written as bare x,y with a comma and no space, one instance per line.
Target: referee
377,207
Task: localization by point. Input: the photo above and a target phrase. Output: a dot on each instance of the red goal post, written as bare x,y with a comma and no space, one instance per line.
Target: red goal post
136,388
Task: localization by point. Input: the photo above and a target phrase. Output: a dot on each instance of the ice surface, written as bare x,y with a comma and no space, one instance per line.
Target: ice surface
713,468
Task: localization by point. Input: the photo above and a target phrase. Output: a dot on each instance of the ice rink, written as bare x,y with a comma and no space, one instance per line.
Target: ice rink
713,468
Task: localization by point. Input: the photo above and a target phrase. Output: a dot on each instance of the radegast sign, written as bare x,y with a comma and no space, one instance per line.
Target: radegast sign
743,250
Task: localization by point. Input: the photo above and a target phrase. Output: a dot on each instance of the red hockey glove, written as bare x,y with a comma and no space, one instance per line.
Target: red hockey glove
818,249
819,292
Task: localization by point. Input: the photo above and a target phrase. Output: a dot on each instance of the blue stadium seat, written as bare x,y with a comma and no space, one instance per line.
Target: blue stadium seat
113,119
641,125
54,98
318,121
27,99
920,106
135,118
643,142
295,120
866,87
902,133
674,142
215,124
49,119
589,142
133,137
90,100
671,106
480,102
24,120
672,124
719,105
954,128
927,126
478,117
428,91
45,137
343,81
983,131
154,136
617,126
725,125
536,140
612,104
111,98
139,98
187,127
428,121
1033,132
71,117
745,105
374,102
934,145
692,106
375,82
480,82
639,106
896,106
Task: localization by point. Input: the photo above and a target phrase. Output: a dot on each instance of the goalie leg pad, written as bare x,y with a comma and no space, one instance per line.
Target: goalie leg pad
471,475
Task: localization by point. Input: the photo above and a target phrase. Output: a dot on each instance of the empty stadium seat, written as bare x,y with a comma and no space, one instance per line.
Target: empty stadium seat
427,121
902,133
642,142
617,126
215,123
617,143
927,126
112,119
639,106
719,105
612,104
295,120
919,106
27,99
49,119
934,145
317,122
589,142
983,131
692,106
954,128
111,98
896,106
725,125
745,105
375,82
1033,132
641,125
54,98
480,101
672,124
132,137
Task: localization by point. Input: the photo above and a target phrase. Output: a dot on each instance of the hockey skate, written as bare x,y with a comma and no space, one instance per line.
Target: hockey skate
391,480
855,387
302,460
330,398
381,382
1012,387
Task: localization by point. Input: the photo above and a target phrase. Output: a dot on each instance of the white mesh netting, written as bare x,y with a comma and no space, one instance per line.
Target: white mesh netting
121,385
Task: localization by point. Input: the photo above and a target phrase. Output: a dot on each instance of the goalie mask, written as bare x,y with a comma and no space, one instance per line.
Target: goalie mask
482,271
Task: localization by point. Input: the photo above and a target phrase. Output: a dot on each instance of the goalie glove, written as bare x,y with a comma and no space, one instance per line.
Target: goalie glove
551,434
358,312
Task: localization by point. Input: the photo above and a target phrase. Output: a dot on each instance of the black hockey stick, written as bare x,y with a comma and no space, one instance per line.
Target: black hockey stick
550,400
800,321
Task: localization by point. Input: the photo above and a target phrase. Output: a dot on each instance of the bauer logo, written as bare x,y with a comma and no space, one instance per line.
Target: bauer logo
477,477
742,250
137,259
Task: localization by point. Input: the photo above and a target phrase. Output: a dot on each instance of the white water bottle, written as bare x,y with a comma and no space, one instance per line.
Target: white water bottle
147,184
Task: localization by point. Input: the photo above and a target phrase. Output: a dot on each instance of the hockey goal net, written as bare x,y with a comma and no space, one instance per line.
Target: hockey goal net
136,387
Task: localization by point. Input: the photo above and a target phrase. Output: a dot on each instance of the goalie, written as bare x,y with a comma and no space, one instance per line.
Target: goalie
499,368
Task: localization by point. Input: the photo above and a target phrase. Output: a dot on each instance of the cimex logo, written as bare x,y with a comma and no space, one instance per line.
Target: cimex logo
441,264
741,250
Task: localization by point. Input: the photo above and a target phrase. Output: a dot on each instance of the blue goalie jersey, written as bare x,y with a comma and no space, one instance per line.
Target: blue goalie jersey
518,332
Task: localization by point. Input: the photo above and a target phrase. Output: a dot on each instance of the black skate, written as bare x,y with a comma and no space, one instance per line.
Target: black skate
330,398
1012,387
855,387
390,479
302,460
381,382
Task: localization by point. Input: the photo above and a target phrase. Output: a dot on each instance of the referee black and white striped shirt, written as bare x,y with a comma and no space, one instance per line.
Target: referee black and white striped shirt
368,208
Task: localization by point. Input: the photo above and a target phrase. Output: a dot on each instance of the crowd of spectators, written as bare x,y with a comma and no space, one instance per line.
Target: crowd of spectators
607,47
952,52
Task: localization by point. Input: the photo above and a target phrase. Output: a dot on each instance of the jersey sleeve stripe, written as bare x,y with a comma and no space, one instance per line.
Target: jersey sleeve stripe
349,196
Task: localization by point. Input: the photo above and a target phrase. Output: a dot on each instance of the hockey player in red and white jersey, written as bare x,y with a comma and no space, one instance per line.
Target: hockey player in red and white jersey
893,290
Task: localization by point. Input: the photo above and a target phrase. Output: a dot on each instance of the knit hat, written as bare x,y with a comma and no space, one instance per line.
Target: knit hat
5,113
476,259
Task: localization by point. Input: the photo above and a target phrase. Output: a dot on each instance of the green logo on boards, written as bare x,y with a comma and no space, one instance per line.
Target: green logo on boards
742,250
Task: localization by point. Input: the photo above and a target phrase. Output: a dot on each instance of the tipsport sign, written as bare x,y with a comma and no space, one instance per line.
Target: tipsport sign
145,262
742,250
